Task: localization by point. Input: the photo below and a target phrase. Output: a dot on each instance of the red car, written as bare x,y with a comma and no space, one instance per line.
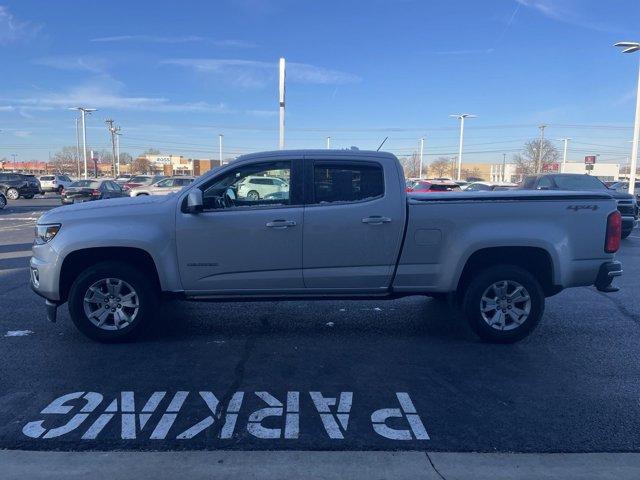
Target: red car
140,180
431,186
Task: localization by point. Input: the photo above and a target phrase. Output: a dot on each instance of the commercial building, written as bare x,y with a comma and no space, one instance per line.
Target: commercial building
179,165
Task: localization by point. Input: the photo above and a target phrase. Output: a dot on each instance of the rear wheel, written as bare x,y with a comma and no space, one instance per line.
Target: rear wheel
3,201
253,195
503,304
111,301
12,194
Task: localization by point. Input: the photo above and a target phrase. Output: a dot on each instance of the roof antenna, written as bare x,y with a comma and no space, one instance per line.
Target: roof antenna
385,139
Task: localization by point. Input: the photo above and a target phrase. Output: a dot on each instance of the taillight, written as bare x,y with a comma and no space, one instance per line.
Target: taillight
614,232
95,193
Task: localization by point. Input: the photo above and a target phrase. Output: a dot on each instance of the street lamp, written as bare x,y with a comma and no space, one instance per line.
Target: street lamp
83,111
631,47
461,116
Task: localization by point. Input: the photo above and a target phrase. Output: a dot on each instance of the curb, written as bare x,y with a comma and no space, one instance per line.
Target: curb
37,465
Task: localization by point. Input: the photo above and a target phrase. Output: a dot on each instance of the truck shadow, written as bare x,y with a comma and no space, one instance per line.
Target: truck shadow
407,317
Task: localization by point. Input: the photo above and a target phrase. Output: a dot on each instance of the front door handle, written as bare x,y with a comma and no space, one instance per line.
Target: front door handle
281,224
376,220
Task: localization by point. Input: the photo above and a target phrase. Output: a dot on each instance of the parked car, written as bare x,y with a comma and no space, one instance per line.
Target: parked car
163,187
16,185
3,201
123,178
54,183
627,204
140,180
89,190
255,187
347,228
623,187
432,186
488,186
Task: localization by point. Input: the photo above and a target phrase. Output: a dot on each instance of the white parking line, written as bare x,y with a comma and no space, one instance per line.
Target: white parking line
18,333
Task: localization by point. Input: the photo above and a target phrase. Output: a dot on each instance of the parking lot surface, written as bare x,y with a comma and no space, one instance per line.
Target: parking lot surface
337,375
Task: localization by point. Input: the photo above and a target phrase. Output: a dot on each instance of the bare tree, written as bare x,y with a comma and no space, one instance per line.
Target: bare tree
534,155
411,166
440,167
66,160
474,173
125,158
140,165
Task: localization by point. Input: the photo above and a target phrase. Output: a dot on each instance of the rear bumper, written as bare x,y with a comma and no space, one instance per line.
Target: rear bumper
607,272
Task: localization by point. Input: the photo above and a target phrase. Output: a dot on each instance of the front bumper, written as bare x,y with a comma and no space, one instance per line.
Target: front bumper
607,272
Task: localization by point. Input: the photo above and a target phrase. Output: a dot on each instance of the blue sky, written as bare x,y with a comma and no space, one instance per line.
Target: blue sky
174,75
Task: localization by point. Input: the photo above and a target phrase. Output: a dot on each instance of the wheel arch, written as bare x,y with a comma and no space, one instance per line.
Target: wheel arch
535,260
78,260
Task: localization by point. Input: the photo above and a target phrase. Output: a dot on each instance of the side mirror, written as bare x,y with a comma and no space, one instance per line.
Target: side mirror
231,194
194,201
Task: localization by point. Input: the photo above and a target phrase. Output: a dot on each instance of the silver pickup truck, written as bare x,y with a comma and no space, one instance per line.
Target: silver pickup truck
320,224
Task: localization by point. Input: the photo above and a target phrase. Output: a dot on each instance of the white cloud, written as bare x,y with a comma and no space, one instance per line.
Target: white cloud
262,113
563,11
174,39
252,73
106,94
14,30
84,63
22,133
6,108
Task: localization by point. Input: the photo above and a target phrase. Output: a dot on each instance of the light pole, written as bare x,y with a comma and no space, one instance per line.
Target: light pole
421,156
220,147
78,146
83,112
118,151
631,47
504,165
461,117
564,153
328,143
281,88
540,147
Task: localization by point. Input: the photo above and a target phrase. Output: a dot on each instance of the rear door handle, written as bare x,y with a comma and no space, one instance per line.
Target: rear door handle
281,224
376,220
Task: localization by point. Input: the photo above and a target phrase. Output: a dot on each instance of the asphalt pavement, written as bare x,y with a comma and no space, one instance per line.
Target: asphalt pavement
395,375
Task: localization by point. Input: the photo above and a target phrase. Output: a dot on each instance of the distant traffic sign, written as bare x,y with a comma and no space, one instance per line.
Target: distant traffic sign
551,167
590,159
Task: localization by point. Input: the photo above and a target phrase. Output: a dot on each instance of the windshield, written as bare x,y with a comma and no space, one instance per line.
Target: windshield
578,182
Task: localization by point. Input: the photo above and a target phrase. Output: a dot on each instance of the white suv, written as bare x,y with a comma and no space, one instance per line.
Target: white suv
54,183
255,188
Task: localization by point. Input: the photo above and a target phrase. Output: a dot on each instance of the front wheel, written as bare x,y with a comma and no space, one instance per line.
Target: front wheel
503,304
111,301
3,201
13,194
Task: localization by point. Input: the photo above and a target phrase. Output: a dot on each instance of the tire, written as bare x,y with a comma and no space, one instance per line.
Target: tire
505,329
253,195
3,201
28,197
12,194
626,233
96,276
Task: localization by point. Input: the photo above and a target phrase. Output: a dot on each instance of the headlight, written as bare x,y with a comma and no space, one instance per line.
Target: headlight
45,233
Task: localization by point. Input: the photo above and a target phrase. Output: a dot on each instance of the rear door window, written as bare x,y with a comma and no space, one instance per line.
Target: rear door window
348,182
